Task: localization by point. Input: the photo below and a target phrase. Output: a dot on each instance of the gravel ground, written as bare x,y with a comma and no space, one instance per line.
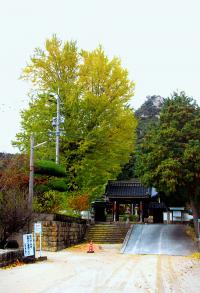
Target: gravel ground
74,270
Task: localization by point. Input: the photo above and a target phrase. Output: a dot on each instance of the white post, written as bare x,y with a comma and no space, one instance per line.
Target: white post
136,209
31,174
35,243
40,244
132,209
57,128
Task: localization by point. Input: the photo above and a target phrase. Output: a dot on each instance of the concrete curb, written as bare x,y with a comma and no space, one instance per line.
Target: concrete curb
126,239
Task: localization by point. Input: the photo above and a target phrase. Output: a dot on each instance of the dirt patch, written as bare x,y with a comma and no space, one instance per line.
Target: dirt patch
98,248
17,263
105,271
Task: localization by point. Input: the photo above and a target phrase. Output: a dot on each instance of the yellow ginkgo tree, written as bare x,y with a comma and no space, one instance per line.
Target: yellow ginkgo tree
98,125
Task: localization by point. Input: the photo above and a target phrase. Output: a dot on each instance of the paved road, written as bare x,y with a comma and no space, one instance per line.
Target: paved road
159,239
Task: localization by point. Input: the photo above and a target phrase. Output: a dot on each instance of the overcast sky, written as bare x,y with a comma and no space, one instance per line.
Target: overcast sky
158,42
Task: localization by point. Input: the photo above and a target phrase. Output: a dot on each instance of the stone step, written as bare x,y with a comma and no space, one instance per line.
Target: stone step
107,232
105,236
108,227
108,238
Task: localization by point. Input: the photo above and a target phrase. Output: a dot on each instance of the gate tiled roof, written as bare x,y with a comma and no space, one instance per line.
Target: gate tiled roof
127,189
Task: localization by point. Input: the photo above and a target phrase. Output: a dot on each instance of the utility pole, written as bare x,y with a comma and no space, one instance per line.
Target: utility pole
57,128
31,174
31,171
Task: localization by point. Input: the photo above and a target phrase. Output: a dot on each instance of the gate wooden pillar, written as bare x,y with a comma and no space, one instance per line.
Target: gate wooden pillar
115,211
141,211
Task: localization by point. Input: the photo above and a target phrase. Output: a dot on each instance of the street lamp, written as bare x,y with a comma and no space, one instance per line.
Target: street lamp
57,124
31,174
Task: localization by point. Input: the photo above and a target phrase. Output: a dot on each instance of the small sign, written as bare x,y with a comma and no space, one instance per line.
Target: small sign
38,228
28,244
198,220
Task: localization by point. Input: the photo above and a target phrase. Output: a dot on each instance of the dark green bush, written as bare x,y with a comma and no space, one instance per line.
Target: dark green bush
132,218
41,188
49,168
58,184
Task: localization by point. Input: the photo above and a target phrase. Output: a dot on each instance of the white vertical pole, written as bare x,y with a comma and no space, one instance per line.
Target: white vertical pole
40,244
136,209
31,173
35,243
132,209
57,128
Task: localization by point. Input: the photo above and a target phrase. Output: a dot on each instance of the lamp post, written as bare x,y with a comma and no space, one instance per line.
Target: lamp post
57,123
57,128
31,171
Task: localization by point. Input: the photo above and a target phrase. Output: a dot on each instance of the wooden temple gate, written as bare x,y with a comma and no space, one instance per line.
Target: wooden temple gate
131,193
143,202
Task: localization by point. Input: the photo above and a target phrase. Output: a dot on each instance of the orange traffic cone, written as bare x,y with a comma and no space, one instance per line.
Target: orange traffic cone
90,249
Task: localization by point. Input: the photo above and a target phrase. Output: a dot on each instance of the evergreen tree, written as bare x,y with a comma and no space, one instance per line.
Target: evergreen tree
148,116
169,155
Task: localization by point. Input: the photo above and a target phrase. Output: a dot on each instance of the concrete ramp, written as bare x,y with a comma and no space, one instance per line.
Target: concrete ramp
159,239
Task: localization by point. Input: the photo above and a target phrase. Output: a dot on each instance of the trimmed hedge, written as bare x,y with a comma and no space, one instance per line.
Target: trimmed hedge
58,184
41,188
49,168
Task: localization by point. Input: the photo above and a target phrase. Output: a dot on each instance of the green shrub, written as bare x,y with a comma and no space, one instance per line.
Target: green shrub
58,184
41,188
49,202
125,217
132,218
70,213
49,168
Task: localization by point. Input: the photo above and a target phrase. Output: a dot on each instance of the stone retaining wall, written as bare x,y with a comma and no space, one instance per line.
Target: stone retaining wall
57,235
58,232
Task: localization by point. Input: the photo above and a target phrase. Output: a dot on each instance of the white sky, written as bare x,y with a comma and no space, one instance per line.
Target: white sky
158,41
